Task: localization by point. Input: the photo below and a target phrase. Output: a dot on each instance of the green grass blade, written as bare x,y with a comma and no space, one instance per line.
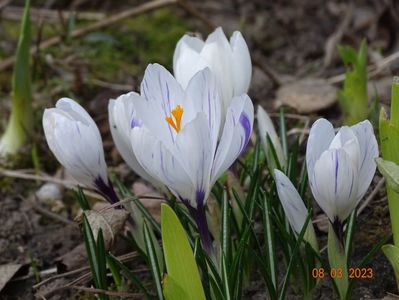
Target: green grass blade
130,275
153,261
95,262
269,240
283,132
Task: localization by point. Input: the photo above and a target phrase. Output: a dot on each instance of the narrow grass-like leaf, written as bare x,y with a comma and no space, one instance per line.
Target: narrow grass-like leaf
269,240
283,132
180,263
115,271
225,279
153,261
102,262
294,255
225,234
83,203
349,232
95,261
129,275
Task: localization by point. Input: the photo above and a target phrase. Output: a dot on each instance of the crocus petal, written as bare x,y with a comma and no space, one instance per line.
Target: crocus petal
194,150
335,183
122,117
75,140
291,201
203,97
218,55
162,93
266,127
347,140
235,136
242,67
368,152
320,137
158,161
187,59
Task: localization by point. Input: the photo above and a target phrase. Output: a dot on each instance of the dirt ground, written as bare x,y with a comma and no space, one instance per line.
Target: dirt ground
289,41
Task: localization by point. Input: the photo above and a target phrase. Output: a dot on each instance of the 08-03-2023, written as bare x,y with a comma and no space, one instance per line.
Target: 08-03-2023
353,273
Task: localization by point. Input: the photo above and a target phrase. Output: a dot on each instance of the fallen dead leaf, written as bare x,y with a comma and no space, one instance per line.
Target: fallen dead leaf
110,220
307,95
7,272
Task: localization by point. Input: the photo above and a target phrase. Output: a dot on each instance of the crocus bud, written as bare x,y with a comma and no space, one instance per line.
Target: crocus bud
340,167
266,128
75,140
230,62
294,208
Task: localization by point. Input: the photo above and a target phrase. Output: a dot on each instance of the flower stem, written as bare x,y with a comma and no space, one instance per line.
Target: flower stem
199,216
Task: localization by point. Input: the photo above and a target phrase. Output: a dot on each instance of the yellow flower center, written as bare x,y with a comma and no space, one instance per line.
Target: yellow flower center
174,119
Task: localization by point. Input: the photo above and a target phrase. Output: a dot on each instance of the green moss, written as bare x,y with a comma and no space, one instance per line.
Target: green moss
127,48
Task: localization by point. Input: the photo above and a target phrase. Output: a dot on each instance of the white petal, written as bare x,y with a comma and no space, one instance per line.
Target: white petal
335,183
194,150
368,152
161,164
347,140
218,55
266,127
75,140
162,93
121,115
187,64
320,137
242,66
292,203
191,42
203,97
235,136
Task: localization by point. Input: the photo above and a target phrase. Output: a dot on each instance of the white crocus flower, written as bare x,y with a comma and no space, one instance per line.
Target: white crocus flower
230,62
76,142
178,138
294,208
340,167
266,127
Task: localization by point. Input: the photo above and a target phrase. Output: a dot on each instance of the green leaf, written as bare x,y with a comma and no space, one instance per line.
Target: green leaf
21,118
389,145
392,253
283,133
96,256
354,97
338,260
395,102
390,171
153,260
83,203
183,280
129,274
269,240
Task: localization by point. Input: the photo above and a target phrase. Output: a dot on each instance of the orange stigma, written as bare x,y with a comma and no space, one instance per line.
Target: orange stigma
175,119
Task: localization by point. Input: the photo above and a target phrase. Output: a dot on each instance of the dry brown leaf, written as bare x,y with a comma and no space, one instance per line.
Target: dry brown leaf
321,222
110,220
307,95
7,272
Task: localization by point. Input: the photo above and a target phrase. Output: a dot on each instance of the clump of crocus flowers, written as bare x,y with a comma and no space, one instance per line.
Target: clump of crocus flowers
182,132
